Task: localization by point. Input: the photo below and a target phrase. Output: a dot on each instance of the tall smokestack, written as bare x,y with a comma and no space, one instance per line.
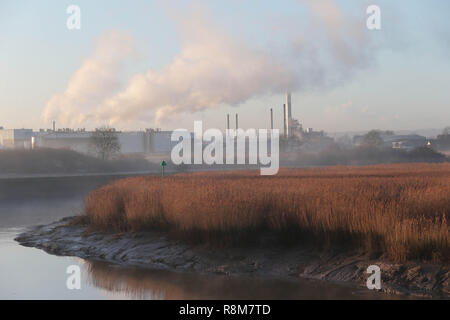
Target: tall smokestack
271,119
54,125
284,121
228,121
288,115
288,103
237,121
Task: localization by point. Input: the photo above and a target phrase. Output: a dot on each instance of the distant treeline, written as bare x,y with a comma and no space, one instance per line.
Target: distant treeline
443,140
365,155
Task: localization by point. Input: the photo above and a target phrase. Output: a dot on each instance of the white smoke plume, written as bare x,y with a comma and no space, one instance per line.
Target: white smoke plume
211,69
332,47
96,79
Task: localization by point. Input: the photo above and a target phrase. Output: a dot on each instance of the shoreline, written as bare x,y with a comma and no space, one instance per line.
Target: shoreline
12,176
154,250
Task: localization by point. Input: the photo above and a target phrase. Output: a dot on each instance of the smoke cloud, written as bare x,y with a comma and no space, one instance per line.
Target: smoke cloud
212,69
96,79
332,47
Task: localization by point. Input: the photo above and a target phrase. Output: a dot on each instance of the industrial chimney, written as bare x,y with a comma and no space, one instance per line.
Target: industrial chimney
228,121
54,125
271,119
288,103
288,115
284,121
237,121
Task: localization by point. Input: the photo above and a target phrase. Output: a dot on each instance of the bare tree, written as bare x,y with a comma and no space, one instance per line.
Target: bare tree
105,142
446,131
373,139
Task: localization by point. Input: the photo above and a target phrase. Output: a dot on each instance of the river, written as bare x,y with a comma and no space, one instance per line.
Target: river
29,273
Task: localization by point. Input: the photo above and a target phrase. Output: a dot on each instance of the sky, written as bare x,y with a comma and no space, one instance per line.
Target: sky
144,64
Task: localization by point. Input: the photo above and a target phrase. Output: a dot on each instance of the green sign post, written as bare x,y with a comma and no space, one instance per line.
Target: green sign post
163,164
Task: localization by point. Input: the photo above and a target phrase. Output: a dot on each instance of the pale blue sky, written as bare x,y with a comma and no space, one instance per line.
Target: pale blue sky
403,85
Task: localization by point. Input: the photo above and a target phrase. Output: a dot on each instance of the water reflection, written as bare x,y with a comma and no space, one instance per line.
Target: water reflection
158,284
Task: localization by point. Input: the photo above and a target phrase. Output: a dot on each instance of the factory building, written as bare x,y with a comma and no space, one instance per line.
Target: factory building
150,141
146,142
295,138
390,140
406,142
15,138
65,139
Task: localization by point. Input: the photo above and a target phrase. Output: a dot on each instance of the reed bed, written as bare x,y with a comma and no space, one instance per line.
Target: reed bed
398,211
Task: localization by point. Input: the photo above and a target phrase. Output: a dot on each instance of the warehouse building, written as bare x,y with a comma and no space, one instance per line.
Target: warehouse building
150,141
15,138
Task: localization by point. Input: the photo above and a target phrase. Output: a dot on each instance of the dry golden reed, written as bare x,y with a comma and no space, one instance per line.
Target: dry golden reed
401,210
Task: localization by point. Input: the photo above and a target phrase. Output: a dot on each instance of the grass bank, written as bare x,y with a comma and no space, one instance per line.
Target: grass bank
400,211
53,161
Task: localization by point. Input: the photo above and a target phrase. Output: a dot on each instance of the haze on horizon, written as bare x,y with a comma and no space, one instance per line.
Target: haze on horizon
150,64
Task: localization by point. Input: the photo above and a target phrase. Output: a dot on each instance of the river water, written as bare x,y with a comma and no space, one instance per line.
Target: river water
29,273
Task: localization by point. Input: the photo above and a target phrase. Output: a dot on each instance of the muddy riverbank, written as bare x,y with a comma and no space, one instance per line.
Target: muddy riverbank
268,259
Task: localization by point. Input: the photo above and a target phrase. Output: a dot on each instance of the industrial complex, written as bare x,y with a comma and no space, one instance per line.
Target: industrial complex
147,142
155,141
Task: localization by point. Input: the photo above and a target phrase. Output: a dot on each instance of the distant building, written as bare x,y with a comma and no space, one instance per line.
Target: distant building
15,138
295,138
146,142
74,140
406,142
391,140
